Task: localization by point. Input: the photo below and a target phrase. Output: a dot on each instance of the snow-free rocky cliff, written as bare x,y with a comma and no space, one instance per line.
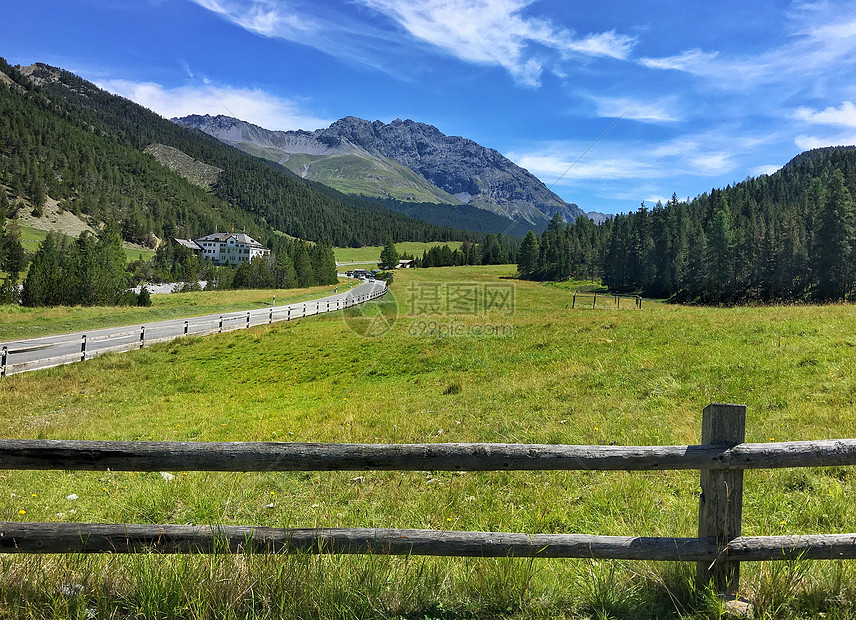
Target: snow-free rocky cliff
376,158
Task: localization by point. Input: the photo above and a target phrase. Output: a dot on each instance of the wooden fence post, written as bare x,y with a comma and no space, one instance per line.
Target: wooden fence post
574,301
721,502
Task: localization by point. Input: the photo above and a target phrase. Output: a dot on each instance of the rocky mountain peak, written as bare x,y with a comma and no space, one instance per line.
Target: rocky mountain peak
457,167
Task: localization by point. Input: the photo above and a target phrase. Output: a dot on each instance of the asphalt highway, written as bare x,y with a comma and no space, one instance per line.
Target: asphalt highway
36,353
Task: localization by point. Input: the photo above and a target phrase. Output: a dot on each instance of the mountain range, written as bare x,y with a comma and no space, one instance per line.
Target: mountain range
103,158
404,160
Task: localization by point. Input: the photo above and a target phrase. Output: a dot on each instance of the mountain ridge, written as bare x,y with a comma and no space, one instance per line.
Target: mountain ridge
460,169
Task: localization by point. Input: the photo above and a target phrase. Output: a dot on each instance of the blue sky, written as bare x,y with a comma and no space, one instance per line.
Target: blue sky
608,103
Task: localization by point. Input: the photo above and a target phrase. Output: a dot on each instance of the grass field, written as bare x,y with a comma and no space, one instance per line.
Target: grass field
529,370
371,253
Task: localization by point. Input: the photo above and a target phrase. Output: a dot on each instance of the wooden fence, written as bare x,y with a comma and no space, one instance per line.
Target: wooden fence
615,299
90,346
718,549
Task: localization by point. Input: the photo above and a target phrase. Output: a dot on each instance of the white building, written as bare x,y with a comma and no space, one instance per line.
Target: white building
227,248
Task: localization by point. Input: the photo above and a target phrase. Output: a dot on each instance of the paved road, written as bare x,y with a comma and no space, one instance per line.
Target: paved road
36,353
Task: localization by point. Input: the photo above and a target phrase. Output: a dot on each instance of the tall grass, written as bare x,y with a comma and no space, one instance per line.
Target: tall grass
582,376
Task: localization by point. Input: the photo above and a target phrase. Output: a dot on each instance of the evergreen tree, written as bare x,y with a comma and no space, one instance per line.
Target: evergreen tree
44,280
389,255
720,246
835,234
303,266
12,261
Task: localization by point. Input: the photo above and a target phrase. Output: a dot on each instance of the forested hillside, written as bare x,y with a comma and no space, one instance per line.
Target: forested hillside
62,137
785,237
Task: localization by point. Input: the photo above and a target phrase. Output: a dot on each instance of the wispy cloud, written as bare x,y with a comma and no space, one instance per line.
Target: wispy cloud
705,155
487,32
265,17
692,61
252,105
822,35
499,33
640,109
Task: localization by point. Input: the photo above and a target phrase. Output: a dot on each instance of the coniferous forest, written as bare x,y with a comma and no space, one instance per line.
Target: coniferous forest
787,237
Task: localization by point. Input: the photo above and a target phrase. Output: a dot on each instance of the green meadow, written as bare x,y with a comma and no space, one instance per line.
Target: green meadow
515,365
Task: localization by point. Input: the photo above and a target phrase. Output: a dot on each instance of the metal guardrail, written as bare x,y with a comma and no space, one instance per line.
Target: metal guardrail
146,335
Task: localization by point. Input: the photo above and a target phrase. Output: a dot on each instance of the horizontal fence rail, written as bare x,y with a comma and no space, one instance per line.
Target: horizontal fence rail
77,348
717,550
41,454
99,538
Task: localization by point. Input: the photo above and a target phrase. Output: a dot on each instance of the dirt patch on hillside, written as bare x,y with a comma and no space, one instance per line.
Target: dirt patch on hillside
54,219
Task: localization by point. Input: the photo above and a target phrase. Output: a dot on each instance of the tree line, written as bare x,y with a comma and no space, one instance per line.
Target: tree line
494,250
788,237
87,271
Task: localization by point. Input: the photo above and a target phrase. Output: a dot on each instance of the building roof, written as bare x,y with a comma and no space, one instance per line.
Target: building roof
189,244
223,237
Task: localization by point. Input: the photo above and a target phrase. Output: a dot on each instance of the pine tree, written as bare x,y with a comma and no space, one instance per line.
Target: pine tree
12,261
303,266
44,279
528,257
835,237
720,247
389,255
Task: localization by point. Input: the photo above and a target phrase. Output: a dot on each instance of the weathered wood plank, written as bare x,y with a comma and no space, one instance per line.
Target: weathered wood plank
16,537
720,511
264,456
99,538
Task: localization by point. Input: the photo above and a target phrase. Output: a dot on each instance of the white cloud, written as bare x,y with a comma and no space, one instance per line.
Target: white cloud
251,105
765,169
496,32
845,115
550,167
652,200
705,155
487,32
264,17
692,61
648,111
807,142
822,35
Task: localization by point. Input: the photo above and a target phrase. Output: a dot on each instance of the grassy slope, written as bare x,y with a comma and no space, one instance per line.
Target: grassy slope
371,254
353,174
578,377
32,237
